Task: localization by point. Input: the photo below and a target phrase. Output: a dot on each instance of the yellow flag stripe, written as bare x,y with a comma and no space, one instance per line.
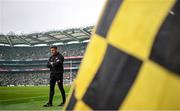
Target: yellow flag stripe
91,62
136,24
154,88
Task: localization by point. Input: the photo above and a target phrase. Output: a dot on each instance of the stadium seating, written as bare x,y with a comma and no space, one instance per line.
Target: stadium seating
27,65
22,53
30,78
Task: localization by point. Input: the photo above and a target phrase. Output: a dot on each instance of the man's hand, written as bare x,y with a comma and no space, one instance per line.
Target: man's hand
51,63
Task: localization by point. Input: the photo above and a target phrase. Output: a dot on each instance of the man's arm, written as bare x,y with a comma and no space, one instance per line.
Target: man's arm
58,61
49,65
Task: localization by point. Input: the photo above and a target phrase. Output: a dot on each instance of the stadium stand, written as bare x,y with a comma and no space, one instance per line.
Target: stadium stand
23,53
26,65
30,78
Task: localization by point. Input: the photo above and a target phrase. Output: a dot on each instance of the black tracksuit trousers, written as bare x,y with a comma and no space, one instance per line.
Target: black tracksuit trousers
61,88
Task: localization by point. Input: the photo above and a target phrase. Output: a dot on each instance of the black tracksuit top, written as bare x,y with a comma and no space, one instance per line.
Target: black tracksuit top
57,64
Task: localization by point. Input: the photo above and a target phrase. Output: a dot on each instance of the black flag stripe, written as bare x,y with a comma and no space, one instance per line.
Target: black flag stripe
113,80
107,17
166,48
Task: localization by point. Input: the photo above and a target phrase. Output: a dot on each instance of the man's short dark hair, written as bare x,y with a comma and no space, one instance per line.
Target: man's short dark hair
55,47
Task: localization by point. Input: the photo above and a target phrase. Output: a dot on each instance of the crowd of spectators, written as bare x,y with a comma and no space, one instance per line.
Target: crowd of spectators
18,78
31,78
34,78
22,53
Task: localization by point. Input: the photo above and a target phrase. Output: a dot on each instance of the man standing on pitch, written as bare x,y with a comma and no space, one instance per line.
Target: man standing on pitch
55,64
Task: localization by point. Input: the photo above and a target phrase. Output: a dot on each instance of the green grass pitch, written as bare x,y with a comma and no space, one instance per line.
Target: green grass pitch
29,98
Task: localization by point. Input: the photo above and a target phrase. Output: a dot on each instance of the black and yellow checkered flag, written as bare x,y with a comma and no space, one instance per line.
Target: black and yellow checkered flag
133,59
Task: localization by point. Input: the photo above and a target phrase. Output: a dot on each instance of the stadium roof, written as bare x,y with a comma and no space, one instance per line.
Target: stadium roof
47,38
